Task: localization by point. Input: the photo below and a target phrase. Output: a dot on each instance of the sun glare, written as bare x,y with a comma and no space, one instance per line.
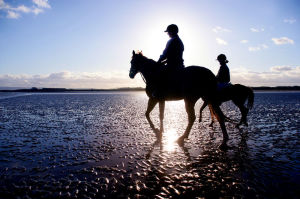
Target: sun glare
169,140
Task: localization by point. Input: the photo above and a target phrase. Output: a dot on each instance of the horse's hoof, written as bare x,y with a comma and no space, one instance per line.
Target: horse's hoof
223,146
156,131
180,141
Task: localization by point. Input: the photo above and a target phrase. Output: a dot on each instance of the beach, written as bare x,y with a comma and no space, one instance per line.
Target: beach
99,145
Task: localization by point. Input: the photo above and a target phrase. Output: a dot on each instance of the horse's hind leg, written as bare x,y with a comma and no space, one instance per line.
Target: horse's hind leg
244,113
212,115
201,109
189,106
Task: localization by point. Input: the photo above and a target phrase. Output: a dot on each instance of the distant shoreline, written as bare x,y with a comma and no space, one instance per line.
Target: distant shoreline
47,90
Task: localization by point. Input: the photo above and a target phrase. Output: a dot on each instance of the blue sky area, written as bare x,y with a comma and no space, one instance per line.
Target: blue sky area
88,43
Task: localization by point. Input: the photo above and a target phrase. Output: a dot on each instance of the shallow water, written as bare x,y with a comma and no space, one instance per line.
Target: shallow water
99,145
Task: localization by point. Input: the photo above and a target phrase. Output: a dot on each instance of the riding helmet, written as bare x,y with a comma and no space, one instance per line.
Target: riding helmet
172,28
221,57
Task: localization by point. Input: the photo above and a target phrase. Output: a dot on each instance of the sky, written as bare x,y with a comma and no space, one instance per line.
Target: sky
89,43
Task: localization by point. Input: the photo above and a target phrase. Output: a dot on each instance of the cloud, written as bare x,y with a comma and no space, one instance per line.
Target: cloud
252,48
219,29
12,15
67,79
221,41
276,76
282,40
244,41
257,29
281,68
22,8
37,11
42,3
258,48
290,20
37,7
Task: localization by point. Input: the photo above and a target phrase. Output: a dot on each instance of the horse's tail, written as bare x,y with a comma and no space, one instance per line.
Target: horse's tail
250,98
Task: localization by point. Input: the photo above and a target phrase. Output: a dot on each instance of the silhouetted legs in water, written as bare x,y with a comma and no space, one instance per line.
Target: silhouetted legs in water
189,107
244,112
151,104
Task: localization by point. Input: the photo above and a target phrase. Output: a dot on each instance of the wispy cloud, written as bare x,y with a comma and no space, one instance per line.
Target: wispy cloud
289,20
281,68
276,76
282,40
221,41
244,41
254,48
67,79
219,29
258,48
12,15
12,12
41,3
257,29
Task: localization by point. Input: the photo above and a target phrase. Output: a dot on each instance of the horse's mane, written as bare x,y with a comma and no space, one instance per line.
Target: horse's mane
150,61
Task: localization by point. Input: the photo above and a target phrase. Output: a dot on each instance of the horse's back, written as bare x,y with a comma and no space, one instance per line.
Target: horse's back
198,81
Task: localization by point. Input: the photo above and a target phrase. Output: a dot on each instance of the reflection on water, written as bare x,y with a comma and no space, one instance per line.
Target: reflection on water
101,146
169,140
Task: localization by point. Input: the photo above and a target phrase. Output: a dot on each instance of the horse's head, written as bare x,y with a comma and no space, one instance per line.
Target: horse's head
136,64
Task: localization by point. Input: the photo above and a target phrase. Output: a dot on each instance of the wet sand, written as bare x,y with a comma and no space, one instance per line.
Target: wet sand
100,146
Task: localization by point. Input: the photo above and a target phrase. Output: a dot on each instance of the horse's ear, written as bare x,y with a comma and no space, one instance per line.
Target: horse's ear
133,52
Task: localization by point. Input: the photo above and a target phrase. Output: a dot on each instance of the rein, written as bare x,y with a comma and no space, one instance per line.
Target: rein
143,78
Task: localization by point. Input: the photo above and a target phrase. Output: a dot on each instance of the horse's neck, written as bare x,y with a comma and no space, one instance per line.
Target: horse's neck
150,73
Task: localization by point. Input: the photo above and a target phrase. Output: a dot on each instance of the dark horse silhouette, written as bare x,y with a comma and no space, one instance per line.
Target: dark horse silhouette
194,82
238,94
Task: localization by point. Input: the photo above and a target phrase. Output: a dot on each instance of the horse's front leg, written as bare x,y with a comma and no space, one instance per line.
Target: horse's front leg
161,116
151,104
189,106
201,109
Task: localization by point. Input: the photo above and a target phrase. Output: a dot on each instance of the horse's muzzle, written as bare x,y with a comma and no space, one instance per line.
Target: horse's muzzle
132,74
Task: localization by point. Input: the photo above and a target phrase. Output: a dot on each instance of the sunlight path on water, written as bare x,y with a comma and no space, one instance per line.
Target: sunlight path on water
169,140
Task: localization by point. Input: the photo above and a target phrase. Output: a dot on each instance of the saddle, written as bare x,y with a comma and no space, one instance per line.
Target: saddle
167,83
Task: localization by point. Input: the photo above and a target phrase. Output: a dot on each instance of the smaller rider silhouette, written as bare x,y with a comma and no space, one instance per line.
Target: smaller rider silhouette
223,76
171,57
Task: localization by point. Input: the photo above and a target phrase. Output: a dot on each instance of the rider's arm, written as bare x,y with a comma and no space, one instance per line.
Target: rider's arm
165,52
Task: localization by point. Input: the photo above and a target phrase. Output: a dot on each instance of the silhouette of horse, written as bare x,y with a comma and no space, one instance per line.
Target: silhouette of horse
191,83
238,94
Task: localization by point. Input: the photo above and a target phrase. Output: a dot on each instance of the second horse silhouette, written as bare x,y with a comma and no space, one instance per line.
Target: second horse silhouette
238,94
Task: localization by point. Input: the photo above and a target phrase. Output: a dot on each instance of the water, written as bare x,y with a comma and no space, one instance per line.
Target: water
99,145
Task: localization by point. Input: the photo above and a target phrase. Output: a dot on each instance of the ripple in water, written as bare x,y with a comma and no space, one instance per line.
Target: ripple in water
96,145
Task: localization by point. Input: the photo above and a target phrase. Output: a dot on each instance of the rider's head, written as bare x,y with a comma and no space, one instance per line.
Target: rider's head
172,30
222,59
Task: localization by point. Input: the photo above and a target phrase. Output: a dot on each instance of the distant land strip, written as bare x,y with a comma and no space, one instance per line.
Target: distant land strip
35,89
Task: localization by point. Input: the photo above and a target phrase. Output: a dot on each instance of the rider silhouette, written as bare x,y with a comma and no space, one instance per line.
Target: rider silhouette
171,57
223,76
